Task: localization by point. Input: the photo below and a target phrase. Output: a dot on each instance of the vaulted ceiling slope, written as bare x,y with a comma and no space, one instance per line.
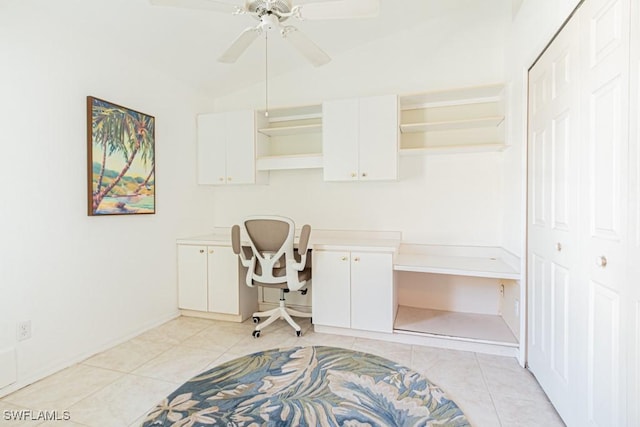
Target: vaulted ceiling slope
185,43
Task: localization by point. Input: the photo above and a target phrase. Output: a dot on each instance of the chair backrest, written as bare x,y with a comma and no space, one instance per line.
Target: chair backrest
271,238
273,259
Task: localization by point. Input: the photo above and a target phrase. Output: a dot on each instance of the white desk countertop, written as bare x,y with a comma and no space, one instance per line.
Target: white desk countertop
490,262
320,239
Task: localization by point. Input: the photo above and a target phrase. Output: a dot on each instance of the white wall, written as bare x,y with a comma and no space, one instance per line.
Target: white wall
84,282
533,27
439,199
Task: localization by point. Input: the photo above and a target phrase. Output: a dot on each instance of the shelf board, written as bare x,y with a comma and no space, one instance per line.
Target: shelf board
455,265
443,98
285,114
291,130
297,161
454,149
484,328
452,124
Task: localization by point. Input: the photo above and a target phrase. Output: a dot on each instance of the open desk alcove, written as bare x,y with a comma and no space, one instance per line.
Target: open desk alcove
463,297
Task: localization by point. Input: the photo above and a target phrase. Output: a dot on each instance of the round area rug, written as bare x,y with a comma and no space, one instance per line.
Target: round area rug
308,386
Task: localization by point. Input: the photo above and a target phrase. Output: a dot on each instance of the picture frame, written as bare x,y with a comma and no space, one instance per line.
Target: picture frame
121,177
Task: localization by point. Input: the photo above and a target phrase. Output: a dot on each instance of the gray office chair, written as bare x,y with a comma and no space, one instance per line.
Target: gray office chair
272,262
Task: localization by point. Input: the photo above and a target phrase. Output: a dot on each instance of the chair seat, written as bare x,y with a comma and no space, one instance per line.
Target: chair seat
282,272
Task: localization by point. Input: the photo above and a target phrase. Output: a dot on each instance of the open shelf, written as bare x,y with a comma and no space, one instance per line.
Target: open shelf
452,124
459,120
484,328
287,162
449,97
454,149
292,130
290,138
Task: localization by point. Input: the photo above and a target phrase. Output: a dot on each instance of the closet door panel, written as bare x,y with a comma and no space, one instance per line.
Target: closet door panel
633,272
554,340
605,193
603,367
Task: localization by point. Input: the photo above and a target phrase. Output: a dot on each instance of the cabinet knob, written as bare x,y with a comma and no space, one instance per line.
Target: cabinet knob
221,179
344,258
364,174
356,259
559,247
354,175
201,251
602,261
210,251
229,178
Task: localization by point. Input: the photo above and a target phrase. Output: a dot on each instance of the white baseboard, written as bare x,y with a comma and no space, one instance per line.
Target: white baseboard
63,364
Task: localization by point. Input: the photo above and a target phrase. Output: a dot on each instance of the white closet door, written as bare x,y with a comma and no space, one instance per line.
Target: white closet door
553,340
604,191
633,279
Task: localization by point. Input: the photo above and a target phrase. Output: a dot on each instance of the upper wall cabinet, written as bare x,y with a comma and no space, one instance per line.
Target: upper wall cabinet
452,121
226,148
360,139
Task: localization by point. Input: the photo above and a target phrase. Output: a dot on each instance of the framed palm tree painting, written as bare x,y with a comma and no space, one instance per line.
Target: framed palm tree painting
121,160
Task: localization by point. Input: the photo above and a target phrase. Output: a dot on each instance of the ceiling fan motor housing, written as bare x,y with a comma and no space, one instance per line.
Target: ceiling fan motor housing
281,9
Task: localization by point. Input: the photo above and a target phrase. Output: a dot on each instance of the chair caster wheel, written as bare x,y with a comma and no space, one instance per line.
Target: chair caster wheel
298,333
256,320
256,334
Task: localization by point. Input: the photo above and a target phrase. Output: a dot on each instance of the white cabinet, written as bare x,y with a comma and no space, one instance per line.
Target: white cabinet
360,139
208,281
353,290
226,148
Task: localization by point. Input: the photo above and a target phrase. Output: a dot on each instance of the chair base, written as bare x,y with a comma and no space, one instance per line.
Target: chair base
281,312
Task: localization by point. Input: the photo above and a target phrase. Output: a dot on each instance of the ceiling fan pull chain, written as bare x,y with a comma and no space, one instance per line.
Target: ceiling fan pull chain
266,74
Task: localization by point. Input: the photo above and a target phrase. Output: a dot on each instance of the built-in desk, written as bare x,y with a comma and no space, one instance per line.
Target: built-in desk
371,284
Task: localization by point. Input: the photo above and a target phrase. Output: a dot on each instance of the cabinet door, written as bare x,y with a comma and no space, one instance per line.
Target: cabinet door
223,295
378,148
192,277
240,147
211,149
331,294
340,140
372,302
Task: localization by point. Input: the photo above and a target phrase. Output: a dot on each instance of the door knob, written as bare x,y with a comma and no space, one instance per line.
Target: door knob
559,247
602,261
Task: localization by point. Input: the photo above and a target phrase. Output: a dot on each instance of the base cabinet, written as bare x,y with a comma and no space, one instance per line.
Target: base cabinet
353,290
208,280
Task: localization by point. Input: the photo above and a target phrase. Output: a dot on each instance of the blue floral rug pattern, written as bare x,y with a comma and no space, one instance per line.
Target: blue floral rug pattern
307,386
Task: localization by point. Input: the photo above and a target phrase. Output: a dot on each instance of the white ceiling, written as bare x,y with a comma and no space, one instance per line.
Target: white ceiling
187,42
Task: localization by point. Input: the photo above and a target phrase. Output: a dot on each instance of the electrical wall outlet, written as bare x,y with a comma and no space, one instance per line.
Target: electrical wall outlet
24,330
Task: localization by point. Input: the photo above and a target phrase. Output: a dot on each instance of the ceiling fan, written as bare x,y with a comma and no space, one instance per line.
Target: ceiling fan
271,15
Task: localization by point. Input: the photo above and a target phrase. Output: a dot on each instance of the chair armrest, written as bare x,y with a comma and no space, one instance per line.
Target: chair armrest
303,245
235,239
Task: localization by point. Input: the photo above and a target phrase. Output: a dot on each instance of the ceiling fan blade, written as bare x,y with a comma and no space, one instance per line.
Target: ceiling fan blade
305,46
229,6
340,9
240,44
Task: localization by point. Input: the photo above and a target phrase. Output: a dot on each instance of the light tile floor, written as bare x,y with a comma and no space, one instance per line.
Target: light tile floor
119,386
